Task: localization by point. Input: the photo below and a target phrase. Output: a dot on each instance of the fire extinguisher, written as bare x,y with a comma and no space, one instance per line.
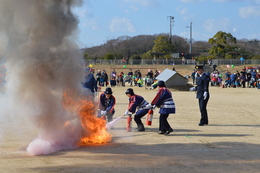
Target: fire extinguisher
129,123
104,117
149,117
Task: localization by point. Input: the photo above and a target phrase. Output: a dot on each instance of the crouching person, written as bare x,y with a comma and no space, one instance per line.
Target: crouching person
107,103
139,103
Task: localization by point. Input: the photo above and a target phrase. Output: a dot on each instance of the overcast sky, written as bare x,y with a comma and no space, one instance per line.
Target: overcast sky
102,20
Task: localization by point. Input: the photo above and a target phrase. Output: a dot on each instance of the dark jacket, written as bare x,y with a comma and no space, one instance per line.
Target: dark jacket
107,104
90,82
136,102
202,85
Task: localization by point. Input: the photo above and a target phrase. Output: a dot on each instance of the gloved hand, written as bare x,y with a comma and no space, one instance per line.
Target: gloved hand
149,106
193,89
126,112
103,112
205,95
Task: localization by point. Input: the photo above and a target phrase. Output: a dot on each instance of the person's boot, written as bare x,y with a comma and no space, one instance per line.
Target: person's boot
168,131
140,128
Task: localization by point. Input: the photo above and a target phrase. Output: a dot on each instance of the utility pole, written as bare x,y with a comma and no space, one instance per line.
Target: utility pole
190,36
171,24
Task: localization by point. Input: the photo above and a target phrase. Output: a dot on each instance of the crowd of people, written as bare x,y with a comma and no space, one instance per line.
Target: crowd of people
133,78
247,77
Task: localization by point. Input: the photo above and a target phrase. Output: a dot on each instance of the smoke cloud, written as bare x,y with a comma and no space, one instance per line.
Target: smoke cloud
38,49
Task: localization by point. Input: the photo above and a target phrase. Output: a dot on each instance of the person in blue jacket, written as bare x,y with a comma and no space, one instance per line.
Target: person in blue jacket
202,90
233,78
164,101
89,84
107,104
139,103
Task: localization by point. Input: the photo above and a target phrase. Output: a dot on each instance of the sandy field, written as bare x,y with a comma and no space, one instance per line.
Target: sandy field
230,143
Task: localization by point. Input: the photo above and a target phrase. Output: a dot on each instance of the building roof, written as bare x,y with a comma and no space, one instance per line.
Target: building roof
166,74
172,78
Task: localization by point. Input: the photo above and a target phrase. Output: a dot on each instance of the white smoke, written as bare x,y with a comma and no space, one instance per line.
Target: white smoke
42,60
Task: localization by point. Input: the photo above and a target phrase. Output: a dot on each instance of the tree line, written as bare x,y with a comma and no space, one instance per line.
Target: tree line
221,45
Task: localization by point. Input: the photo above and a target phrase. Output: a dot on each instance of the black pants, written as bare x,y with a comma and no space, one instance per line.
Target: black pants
139,114
164,125
109,117
203,110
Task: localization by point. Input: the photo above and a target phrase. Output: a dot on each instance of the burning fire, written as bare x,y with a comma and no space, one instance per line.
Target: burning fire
93,128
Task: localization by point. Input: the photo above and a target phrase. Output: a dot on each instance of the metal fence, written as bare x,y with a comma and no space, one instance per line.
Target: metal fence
170,62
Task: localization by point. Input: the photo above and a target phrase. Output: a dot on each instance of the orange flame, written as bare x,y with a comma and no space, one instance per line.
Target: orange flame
93,128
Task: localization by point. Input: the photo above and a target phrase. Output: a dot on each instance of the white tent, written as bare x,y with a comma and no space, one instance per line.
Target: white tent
172,78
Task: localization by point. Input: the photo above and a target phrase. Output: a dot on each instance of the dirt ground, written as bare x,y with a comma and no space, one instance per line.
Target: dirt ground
230,143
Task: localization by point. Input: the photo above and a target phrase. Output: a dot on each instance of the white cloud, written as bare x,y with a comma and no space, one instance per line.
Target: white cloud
121,24
248,11
184,11
224,24
134,8
86,19
209,25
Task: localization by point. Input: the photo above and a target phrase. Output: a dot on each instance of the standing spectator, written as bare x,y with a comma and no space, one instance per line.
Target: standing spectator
193,76
104,76
149,79
248,77
202,90
233,78
227,74
113,74
89,84
135,77
254,74
139,74
130,77
136,102
243,78
113,78
219,79
130,73
183,61
107,103
98,76
149,74
238,74
210,62
121,78
156,73
164,101
214,67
